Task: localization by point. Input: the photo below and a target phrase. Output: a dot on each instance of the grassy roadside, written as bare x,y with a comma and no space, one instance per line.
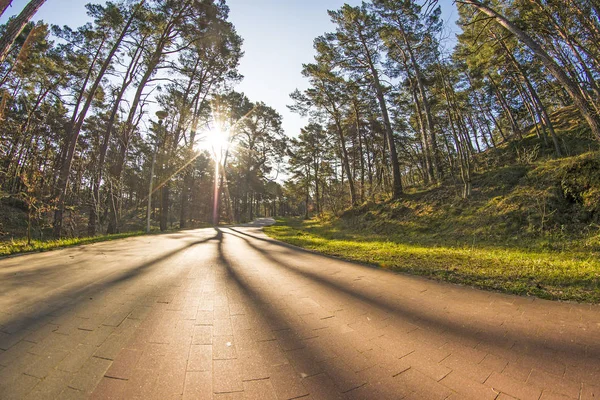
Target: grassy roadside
18,246
565,275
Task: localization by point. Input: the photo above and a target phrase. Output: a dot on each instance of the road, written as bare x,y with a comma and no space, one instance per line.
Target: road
231,314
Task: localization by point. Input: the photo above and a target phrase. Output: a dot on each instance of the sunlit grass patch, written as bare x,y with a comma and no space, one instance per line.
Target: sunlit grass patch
17,246
564,275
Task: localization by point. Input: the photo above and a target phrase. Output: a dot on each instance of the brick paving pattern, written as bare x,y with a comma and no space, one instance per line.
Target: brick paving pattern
231,314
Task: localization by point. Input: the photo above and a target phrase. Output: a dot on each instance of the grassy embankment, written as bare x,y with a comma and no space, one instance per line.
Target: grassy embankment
531,226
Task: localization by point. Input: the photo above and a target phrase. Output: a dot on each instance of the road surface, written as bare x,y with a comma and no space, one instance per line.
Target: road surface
232,314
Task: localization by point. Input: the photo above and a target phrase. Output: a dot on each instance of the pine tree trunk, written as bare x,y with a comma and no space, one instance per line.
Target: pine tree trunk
389,133
506,108
431,138
68,152
16,26
429,175
4,4
346,161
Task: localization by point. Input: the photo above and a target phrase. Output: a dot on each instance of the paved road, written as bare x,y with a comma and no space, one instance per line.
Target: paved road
230,314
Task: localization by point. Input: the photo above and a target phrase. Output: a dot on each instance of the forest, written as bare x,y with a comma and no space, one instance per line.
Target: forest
134,118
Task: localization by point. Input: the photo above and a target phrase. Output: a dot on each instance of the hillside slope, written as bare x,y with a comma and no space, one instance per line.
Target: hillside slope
531,225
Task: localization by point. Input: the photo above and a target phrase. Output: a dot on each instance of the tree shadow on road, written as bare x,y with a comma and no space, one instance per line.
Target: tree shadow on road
540,347
55,304
274,318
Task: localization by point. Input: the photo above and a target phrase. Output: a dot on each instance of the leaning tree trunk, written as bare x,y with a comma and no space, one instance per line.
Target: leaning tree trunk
4,4
582,104
16,26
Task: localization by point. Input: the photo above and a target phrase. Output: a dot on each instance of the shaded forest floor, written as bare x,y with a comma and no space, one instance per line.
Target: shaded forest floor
531,226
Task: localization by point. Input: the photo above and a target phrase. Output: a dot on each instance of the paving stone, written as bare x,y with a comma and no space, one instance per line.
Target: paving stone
18,388
227,376
125,363
430,368
303,362
198,386
72,394
222,327
141,384
589,392
322,387
508,385
43,365
200,359
549,395
18,350
466,367
111,347
202,334
171,379
342,375
423,386
261,389
467,388
286,382
559,385
89,375
109,388
253,366
76,358
224,348
41,333
51,386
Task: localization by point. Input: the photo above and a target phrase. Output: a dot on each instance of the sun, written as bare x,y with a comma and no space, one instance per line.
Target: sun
216,141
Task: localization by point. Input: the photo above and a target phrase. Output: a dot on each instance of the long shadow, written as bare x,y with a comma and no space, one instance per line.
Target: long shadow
294,248
53,303
566,351
273,314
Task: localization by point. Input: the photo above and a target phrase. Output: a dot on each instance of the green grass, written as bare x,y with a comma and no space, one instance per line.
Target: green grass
523,270
18,246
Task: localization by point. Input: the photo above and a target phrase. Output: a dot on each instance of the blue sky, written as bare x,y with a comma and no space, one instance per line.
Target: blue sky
278,36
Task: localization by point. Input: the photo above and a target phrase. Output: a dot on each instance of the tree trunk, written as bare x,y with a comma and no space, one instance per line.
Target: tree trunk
68,152
533,92
360,151
429,176
16,25
506,108
431,139
346,162
4,4
389,133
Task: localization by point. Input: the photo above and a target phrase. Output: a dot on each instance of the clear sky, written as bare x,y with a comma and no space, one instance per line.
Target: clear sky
278,37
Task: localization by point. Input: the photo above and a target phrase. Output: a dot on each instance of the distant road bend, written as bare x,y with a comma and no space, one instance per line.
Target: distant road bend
230,314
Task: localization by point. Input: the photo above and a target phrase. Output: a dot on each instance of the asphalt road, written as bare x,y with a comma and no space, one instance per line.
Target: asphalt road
232,314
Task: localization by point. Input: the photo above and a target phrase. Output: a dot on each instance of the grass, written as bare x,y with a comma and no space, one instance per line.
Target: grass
18,246
557,275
